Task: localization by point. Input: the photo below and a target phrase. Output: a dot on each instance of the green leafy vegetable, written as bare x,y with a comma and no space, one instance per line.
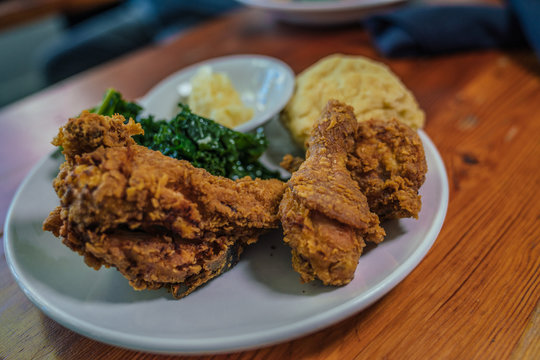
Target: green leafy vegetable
113,103
203,142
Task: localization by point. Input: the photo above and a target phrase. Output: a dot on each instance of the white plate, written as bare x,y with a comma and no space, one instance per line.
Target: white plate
259,302
317,12
264,84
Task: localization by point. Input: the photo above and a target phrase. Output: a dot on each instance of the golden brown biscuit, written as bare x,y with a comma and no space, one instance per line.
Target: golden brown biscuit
368,86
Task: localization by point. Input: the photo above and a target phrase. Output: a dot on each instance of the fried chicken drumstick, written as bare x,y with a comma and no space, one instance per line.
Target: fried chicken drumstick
354,175
388,163
160,221
325,217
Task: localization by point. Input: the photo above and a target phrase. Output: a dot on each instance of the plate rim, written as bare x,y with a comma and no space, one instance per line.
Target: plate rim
227,344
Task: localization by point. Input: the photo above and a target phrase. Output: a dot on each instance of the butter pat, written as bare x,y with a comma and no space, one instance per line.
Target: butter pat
214,97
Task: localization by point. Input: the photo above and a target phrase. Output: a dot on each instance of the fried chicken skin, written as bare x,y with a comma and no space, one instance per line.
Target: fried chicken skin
389,165
90,131
325,216
160,221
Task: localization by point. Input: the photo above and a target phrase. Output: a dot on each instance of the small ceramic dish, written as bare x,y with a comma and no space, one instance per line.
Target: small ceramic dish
264,84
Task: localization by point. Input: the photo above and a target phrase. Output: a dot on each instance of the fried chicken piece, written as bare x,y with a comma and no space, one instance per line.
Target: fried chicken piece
90,131
389,164
160,221
291,163
325,217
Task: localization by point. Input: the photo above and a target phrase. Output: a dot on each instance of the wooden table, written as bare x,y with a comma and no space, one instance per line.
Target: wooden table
476,293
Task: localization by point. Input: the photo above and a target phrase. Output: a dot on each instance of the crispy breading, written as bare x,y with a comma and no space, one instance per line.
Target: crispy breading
164,223
325,217
160,221
389,164
89,131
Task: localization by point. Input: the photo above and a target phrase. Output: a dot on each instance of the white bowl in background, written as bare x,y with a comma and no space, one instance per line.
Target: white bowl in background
329,12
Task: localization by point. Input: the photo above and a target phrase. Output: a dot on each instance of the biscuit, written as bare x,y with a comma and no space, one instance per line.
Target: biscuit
368,86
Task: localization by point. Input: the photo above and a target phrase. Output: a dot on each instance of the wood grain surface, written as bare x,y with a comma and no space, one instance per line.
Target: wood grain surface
476,293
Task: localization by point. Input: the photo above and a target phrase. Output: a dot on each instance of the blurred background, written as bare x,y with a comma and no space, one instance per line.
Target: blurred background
45,41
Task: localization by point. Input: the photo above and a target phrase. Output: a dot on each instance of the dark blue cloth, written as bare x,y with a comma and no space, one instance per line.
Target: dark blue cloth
434,30
528,14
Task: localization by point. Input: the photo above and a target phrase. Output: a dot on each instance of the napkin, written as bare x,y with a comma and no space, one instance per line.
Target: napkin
528,15
432,30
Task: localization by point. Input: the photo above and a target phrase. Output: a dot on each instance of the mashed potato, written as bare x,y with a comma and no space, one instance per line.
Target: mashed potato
213,96
368,86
